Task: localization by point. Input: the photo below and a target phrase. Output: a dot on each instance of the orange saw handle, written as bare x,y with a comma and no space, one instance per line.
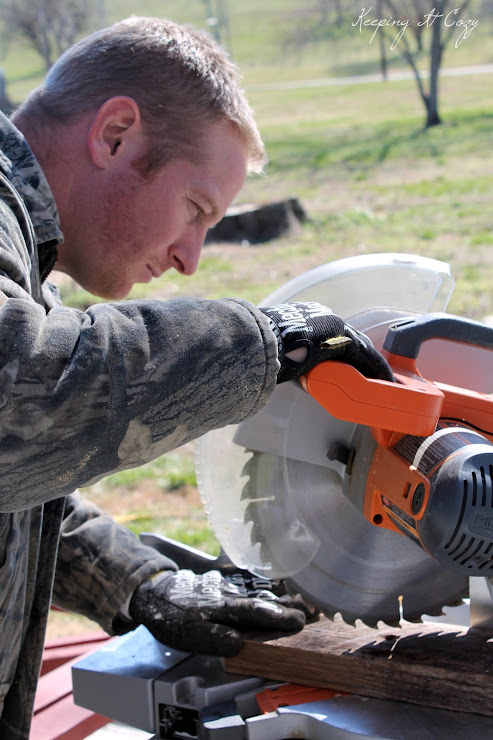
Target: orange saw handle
409,406
412,405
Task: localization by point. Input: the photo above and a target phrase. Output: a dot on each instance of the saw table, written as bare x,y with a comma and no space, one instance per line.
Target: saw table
331,681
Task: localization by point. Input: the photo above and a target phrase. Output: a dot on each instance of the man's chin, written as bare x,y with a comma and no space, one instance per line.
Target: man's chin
109,288
115,295
109,293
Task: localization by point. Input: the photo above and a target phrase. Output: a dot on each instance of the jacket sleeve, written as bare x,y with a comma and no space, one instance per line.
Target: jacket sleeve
85,394
100,564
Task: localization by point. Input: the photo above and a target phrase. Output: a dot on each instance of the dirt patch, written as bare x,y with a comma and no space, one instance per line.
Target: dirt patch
149,497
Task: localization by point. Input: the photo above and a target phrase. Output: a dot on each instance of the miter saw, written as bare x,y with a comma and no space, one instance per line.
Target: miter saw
371,499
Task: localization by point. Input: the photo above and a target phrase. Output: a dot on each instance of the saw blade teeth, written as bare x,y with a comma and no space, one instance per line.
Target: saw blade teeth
249,467
249,515
255,534
262,471
247,492
394,623
352,621
265,554
457,602
245,471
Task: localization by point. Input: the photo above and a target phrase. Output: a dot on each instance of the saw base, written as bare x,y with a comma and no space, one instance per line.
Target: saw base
435,665
140,682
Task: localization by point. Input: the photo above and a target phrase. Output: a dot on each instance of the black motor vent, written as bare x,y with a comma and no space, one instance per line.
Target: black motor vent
457,528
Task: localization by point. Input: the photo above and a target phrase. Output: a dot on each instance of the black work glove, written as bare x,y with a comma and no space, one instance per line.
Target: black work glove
264,588
203,613
325,336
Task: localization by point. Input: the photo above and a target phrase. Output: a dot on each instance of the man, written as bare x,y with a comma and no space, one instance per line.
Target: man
113,171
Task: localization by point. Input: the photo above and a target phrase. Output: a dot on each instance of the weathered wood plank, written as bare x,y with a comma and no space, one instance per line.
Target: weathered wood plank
431,664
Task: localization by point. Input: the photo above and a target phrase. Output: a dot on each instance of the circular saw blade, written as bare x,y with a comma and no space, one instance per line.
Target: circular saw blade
359,571
277,504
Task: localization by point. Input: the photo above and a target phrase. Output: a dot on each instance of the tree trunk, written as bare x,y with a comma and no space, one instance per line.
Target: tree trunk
339,14
432,115
381,41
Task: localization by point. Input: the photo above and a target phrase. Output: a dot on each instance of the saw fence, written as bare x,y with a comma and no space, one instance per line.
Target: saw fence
431,664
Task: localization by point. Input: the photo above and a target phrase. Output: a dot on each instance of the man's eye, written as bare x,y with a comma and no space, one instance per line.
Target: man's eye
197,210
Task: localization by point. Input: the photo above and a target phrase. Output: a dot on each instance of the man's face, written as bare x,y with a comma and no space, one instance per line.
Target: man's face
133,229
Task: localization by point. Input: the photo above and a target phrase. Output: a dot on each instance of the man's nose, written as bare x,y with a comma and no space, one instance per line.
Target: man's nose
185,252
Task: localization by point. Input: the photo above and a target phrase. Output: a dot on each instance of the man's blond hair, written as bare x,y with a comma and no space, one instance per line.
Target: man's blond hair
181,79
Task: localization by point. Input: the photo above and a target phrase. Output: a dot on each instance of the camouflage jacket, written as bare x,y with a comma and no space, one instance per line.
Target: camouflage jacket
84,394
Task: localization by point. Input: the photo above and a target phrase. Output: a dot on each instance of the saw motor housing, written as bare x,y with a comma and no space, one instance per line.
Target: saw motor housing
424,460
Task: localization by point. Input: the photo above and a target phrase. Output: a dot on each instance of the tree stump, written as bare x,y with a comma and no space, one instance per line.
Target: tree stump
256,224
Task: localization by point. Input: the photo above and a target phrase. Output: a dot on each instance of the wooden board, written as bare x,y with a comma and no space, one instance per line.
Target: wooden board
432,664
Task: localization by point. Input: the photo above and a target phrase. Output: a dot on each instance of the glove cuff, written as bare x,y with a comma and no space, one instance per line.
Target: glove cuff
304,325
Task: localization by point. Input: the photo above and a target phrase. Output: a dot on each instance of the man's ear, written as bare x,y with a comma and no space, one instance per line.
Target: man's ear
115,132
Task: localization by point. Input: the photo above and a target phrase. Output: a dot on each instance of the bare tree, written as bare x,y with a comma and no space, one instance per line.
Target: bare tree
49,26
416,11
218,19
315,21
323,8
382,47
434,24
